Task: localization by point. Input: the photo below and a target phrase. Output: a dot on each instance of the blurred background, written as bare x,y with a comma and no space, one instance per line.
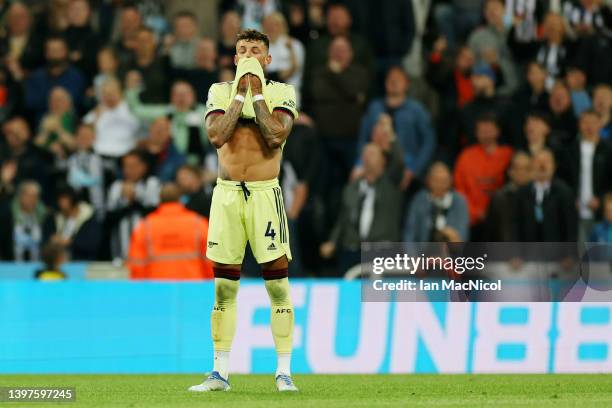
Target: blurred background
420,120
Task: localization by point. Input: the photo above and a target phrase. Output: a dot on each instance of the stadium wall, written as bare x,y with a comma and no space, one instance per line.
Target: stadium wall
153,327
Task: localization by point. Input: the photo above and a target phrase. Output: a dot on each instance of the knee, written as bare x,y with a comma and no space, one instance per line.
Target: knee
278,290
226,290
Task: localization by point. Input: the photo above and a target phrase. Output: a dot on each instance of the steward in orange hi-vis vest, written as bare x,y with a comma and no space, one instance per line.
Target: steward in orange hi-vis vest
170,244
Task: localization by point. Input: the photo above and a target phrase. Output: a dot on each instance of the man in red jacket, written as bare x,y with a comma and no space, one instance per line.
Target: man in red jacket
170,243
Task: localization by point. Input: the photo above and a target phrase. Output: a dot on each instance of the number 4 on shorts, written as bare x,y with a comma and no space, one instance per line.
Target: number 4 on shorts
270,231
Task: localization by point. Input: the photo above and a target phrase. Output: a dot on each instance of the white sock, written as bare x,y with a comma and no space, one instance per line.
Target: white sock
221,364
284,364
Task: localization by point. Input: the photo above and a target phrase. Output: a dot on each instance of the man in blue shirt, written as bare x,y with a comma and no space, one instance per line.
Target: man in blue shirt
57,72
411,122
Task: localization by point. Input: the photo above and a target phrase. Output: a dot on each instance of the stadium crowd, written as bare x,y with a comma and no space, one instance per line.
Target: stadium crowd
450,120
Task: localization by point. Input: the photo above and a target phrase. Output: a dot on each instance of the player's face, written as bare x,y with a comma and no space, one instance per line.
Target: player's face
255,49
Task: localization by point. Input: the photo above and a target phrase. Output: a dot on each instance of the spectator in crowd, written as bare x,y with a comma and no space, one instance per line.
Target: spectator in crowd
295,194
590,22
526,18
393,39
545,206
437,213
53,255
56,131
591,163
486,100
576,83
532,96
129,200
254,11
20,47
184,41
339,89
455,19
130,22
196,195
489,44
58,71
410,121
152,67
114,124
74,226
287,53
553,52
500,216
164,158
384,137
86,173
188,134
22,224
306,19
563,121
170,243
205,71
229,29
449,74
602,232
302,149
602,104
108,68
82,40
480,172
373,197
21,160
317,55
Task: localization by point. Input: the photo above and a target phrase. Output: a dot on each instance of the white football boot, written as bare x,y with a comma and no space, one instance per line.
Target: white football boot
214,382
284,383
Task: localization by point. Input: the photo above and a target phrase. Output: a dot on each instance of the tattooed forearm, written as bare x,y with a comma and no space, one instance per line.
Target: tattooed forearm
221,127
275,127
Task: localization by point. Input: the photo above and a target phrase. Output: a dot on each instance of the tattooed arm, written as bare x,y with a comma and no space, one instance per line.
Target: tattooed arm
276,126
220,126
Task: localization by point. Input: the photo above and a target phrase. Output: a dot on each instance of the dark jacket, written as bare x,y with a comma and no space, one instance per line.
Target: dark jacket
602,168
339,100
85,242
559,222
387,215
500,220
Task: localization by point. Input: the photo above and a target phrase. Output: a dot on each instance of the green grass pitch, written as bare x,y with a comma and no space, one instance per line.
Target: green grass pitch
329,391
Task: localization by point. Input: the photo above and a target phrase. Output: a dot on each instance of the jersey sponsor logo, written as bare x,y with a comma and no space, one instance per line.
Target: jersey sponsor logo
219,308
271,247
283,310
212,244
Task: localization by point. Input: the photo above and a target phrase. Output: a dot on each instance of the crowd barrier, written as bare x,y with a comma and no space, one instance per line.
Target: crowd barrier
154,327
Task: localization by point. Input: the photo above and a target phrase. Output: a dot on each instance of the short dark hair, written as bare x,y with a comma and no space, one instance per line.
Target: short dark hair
51,253
139,154
253,35
68,192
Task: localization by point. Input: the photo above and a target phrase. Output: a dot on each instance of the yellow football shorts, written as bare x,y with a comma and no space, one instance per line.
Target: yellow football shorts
253,211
